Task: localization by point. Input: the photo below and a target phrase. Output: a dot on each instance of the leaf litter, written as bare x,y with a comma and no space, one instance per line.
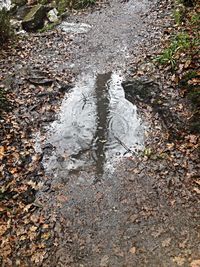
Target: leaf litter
34,87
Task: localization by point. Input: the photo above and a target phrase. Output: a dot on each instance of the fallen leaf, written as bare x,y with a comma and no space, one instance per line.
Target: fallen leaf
62,198
197,182
197,190
166,242
46,235
132,250
2,149
38,257
33,228
3,229
179,260
195,263
6,250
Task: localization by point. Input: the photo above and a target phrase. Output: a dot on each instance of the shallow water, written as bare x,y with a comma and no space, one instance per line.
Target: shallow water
96,126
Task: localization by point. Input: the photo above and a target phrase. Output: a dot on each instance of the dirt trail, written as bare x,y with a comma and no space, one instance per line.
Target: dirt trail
131,215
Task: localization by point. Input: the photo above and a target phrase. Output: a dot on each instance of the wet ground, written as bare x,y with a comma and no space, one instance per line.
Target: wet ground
110,205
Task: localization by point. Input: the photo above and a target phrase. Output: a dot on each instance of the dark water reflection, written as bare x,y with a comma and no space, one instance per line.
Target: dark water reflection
103,112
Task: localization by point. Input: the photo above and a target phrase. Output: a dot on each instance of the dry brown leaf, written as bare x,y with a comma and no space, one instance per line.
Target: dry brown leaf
3,229
197,190
193,138
187,63
197,182
166,242
2,151
132,250
179,260
62,198
195,263
46,235
38,256
6,250
33,228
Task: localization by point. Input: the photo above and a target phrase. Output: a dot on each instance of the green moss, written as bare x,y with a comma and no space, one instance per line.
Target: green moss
179,43
195,19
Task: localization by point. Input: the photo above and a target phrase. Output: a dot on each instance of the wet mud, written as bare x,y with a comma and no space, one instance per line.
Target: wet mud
111,207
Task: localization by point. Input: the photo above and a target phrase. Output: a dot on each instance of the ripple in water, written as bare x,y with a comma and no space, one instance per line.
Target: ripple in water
97,124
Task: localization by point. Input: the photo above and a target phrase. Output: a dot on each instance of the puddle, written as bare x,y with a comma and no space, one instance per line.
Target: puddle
71,27
96,126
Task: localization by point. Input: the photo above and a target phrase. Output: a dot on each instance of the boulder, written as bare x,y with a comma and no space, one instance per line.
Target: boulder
35,18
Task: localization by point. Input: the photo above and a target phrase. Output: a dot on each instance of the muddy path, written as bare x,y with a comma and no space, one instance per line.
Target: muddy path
109,205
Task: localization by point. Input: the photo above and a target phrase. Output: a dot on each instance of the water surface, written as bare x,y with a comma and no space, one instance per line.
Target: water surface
96,126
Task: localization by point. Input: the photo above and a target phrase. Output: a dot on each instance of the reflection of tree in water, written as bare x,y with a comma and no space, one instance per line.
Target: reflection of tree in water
101,134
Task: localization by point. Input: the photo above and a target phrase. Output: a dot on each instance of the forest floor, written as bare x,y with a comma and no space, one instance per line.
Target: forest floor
142,212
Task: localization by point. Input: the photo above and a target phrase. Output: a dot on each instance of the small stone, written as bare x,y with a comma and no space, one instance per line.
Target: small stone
52,15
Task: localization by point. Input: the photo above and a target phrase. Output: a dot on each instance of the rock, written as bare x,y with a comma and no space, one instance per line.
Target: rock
52,15
35,18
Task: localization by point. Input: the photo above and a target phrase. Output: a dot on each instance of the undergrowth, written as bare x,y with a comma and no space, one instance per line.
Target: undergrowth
182,56
179,43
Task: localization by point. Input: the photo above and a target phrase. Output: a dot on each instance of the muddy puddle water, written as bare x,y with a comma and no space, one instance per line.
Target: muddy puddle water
96,127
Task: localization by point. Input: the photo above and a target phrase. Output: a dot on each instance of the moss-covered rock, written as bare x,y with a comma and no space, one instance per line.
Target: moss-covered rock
35,18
